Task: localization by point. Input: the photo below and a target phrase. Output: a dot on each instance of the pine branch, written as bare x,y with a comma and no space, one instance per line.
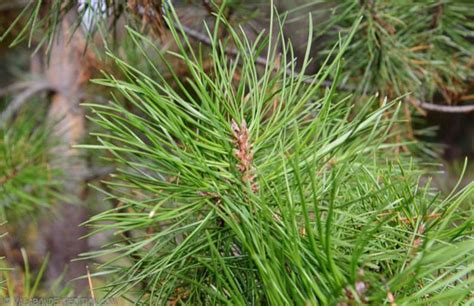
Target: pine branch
444,108
14,87
262,61
335,217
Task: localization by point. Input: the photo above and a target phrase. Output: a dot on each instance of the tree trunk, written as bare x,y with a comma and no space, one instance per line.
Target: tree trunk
68,71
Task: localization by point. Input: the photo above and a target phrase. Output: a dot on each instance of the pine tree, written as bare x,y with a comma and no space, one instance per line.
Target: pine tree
239,175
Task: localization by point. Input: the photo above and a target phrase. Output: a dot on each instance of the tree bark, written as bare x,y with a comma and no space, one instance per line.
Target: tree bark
68,70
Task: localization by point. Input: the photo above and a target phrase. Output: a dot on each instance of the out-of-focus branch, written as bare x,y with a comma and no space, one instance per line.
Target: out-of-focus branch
14,87
260,60
32,88
442,108
263,62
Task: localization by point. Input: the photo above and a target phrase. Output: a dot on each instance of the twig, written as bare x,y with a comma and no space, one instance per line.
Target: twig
416,105
443,108
14,87
19,100
89,279
262,61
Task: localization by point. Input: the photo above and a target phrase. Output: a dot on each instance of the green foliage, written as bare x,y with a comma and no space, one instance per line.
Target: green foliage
34,21
27,179
25,284
29,283
240,184
408,46
247,187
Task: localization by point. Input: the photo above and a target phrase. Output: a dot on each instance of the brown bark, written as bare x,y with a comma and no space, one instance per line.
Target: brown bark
68,70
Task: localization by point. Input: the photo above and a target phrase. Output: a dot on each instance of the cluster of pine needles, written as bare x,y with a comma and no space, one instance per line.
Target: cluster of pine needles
266,188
